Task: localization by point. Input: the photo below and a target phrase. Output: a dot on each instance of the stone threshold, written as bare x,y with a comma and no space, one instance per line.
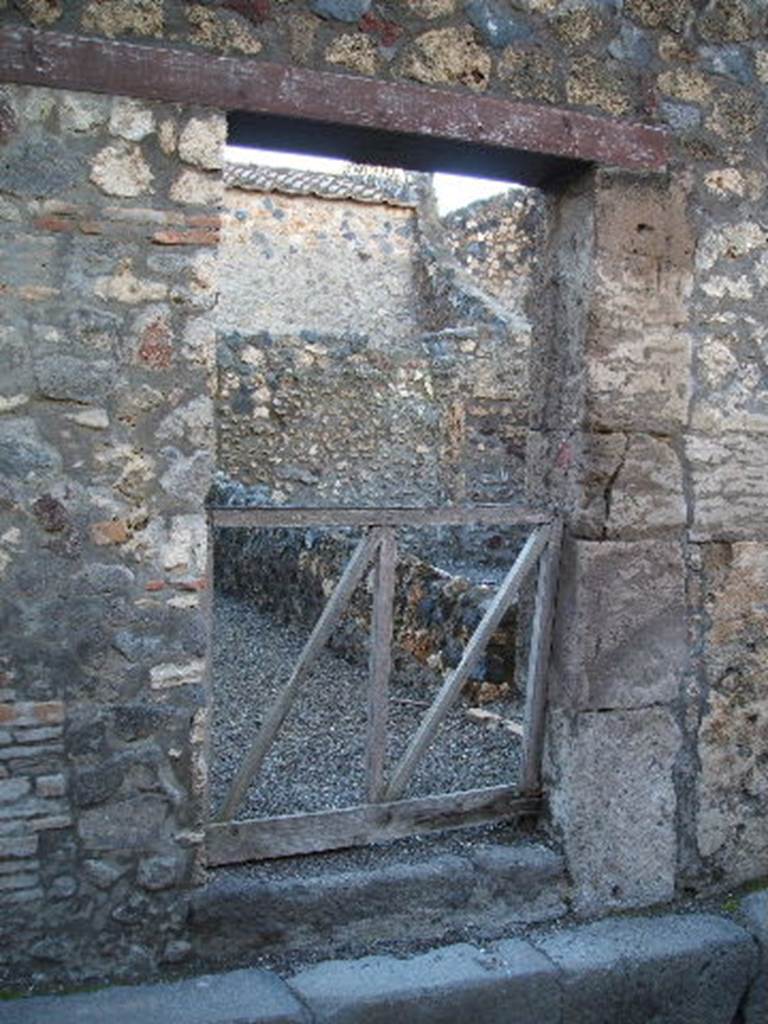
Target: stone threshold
668,969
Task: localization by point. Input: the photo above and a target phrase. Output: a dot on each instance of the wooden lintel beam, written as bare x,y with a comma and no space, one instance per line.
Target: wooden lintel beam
171,73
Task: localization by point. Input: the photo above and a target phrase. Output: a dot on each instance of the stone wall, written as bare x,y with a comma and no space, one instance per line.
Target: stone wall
650,428
335,383
108,221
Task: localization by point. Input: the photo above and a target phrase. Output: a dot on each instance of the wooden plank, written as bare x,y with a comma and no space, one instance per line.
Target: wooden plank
380,663
451,688
261,839
156,71
538,663
354,572
459,515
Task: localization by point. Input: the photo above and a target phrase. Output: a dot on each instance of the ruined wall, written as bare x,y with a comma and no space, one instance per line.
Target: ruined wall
335,384
497,240
107,222
655,440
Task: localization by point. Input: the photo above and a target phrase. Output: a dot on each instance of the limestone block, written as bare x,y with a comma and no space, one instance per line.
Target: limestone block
131,120
202,142
355,52
614,802
620,631
121,170
637,351
729,475
733,736
449,56
124,17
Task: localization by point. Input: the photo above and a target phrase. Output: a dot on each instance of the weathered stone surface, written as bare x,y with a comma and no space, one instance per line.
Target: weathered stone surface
621,632
135,823
24,454
614,804
448,56
121,170
638,357
453,982
131,120
733,736
248,995
497,23
66,378
672,969
124,17
222,31
729,475
202,141
341,10
34,168
754,909
354,52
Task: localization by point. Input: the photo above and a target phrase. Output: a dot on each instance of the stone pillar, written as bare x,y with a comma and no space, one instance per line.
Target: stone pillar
606,446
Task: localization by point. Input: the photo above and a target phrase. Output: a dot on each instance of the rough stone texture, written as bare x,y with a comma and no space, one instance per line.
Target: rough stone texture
97,811
614,803
638,653
498,886
671,969
251,995
733,734
754,909
456,981
648,357
439,364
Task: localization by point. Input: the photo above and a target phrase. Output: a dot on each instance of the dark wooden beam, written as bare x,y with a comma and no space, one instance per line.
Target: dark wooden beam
286,836
161,72
448,515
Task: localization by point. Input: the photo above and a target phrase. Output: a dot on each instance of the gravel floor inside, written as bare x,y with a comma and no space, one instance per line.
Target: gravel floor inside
317,759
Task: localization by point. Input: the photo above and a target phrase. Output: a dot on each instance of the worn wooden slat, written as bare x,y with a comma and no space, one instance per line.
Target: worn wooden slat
324,626
451,688
261,839
482,515
538,663
381,663
237,83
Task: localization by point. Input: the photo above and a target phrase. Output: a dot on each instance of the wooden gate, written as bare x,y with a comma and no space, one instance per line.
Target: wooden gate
386,815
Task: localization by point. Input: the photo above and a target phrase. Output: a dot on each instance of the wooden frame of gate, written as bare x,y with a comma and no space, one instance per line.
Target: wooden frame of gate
386,815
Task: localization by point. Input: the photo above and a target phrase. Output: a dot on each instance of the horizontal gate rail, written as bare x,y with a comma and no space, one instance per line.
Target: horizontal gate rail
452,515
286,836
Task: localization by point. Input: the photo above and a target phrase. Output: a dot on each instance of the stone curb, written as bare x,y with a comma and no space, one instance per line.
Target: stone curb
690,969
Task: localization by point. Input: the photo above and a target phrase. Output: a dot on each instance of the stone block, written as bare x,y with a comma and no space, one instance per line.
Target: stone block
637,355
620,632
614,804
121,170
514,984
754,910
66,378
237,997
24,454
673,969
732,786
135,823
729,474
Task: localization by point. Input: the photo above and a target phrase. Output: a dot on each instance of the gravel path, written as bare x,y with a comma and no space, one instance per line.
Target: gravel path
317,760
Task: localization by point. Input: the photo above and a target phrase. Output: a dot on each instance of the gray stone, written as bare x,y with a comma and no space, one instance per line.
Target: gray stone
37,168
157,873
132,824
632,45
102,874
621,635
23,453
341,10
615,804
692,969
66,378
513,986
496,23
754,908
239,997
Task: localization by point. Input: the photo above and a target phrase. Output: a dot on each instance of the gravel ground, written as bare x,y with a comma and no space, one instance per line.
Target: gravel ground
317,759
